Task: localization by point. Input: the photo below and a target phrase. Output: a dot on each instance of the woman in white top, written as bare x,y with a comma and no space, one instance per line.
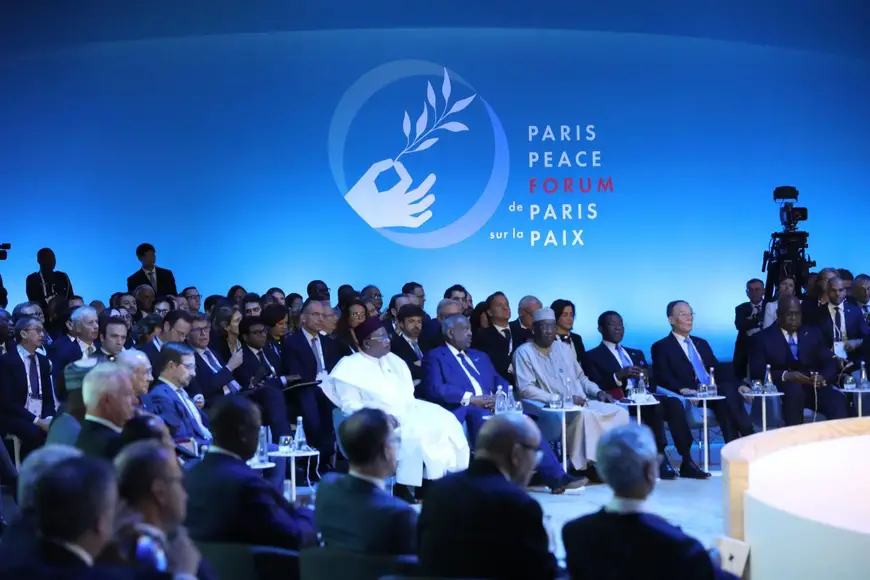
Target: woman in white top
786,288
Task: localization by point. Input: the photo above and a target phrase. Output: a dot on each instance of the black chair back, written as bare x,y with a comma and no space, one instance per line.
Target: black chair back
327,563
243,562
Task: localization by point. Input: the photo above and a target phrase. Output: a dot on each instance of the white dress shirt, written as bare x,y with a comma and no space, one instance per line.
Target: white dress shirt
104,422
474,384
623,505
841,335
34,405
190,406
88,350
501,330
614,350
682,340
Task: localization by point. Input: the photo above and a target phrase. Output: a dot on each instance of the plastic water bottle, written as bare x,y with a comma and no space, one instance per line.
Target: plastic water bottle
510,405
712,390
863,383
263,446
500,401
640,390
769,387
299,441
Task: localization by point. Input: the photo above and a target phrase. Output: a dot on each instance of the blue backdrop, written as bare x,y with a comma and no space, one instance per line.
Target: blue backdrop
229,140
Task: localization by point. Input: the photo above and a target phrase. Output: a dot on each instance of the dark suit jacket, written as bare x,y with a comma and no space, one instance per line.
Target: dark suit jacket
251,364
673,370
146,404
175,414
58,280
153,353
208,383
355,515
812,311
14,387
579,347
298,358
399,346
771,348
430,335
600,365
63,352
856,326
445,382
659,551
230,502
165,281
498,348
495,519
743,321
519,333
47,560
97,440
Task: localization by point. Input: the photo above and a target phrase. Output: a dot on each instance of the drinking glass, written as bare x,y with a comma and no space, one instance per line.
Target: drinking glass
555,401
849,383
757,387
702,390
284,443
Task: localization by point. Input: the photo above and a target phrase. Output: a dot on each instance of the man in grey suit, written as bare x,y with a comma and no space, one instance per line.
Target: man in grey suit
353,512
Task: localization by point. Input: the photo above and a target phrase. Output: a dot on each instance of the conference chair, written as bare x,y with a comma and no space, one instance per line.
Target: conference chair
323,563
244,562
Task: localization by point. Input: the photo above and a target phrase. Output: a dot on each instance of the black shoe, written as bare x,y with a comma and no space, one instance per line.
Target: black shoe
568,482
689,470
666,471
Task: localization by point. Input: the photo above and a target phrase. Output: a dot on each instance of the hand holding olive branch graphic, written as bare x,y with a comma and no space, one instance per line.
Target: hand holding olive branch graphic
399,207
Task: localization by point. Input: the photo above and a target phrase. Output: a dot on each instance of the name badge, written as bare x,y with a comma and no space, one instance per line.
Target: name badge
840,349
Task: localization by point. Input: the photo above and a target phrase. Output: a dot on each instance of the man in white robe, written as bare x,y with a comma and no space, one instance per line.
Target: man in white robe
430,436
546,367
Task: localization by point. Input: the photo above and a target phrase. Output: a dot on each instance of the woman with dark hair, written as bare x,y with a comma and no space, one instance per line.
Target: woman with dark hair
56,316
115,300
225,331
236,293
565,311
479,319
293,302
353,314
146,329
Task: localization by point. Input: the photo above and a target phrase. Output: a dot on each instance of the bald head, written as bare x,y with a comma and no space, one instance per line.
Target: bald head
511,441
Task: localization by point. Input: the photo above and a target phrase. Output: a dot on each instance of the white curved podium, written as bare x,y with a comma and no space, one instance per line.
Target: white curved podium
800,497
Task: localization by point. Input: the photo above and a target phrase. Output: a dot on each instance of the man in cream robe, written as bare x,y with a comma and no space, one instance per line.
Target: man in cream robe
545,367
430,436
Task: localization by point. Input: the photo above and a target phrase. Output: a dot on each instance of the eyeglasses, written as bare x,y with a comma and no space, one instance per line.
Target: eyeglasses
357,315
259,331
201,330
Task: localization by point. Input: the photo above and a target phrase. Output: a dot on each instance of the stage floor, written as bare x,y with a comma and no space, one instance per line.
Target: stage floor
693,505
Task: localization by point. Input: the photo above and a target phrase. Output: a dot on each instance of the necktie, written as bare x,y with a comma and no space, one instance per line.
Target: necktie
695,359
625,360
152,277
838,324
316,354
262,356
417,350
91,350
792,345
507,334
212,361
34,377
198,426
471,370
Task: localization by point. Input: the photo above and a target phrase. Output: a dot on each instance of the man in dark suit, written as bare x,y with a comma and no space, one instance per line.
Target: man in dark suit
84,332
391,316
26,396
813,306
431,335
176,328
74,510
463,381
160,279
748,319
860,295
794,351
521,328
107,392
502,337
615,368
258,361
308,354
681,361
6,342
214,377
354,512
595,544
173,404
230,502
502,531
45,284
405,342
842,322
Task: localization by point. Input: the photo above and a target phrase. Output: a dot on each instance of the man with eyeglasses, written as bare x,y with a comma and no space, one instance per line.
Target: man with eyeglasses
311,356
193,297
485,510
681,362
186,421
25,375
175,328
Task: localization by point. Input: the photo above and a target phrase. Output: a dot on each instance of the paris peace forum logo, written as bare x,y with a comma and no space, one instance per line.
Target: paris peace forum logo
408,205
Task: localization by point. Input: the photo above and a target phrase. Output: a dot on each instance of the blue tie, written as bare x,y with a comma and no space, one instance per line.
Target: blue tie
695,359
792,344
626,362
471,370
